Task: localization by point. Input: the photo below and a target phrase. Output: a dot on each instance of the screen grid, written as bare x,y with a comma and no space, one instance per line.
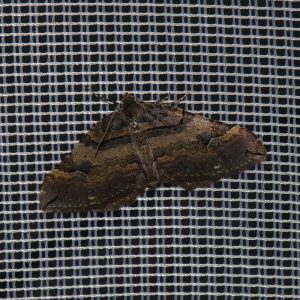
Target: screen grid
237,62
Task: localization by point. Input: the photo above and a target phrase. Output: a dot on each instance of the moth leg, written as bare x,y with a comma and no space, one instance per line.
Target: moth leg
152,163
144,153
140,155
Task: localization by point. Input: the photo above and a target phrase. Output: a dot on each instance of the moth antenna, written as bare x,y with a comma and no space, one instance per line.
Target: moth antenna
182,98
99,96
136,98
177,100
107,128
162,122
165,98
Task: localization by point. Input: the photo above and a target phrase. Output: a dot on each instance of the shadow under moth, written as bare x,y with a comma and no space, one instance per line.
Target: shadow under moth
143,144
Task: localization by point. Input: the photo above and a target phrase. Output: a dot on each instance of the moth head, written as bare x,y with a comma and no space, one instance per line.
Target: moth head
131,108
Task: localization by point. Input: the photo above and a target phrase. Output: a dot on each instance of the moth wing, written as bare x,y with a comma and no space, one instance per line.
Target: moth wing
201,151
85,181
74,192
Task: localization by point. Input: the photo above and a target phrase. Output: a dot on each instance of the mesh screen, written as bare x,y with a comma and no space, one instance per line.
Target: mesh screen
237,61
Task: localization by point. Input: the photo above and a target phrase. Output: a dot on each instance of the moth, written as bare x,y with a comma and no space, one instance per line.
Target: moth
140,145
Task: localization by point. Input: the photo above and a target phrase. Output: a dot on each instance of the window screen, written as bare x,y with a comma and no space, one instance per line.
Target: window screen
236,60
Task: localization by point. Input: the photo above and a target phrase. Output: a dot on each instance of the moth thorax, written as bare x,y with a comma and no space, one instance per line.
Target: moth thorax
132,109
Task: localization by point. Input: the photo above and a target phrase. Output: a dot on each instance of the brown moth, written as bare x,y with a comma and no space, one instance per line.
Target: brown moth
140,145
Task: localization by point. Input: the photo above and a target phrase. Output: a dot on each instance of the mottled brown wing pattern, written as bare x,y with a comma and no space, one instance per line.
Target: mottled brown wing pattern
115,175
143,145
85,181
212,150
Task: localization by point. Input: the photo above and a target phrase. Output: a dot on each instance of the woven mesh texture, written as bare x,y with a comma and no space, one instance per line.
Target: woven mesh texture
237,61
